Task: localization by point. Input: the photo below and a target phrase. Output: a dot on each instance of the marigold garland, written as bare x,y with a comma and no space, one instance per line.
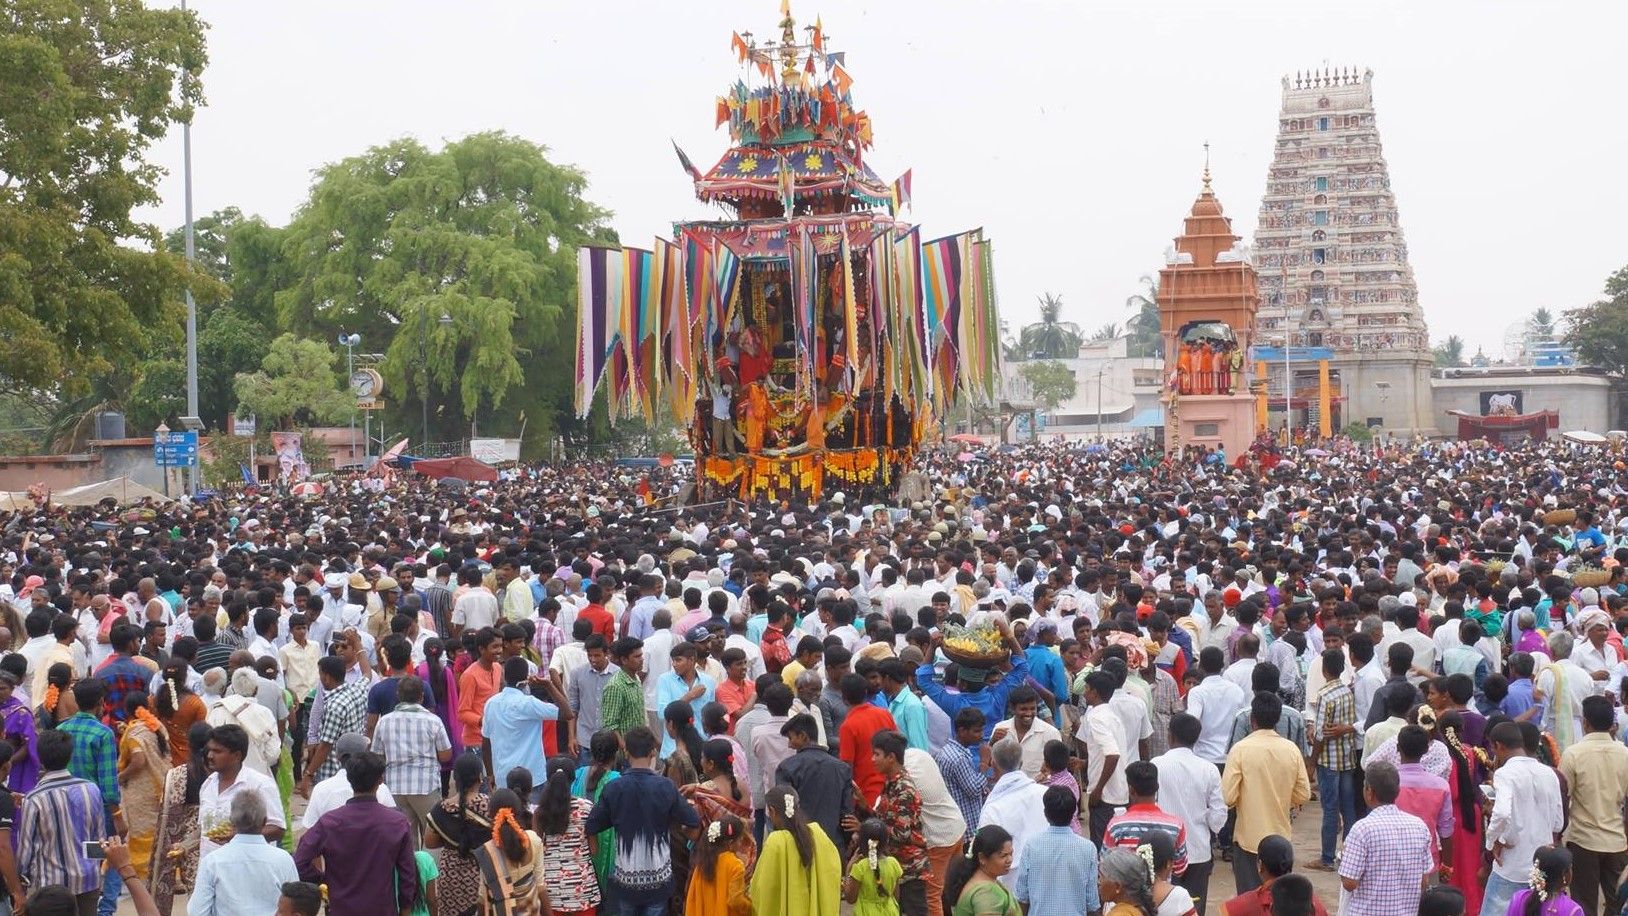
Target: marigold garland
506,816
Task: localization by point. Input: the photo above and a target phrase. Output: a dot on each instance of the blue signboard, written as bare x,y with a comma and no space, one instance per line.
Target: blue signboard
175,449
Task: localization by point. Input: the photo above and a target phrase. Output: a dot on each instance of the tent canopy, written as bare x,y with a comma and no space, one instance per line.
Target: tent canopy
464,466
126,491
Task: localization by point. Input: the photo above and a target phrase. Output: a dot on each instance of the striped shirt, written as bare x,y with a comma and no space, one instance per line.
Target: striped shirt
1139,822
410,738
60,814
960,771
95,754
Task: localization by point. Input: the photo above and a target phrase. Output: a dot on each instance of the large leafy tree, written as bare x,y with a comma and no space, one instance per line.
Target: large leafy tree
484,232
298,382
86,87
1599,332
1050,383
1051,337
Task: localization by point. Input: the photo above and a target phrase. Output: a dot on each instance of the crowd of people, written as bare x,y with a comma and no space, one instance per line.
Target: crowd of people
563,693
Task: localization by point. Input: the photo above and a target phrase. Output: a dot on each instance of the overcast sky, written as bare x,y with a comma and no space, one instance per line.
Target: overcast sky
1071,131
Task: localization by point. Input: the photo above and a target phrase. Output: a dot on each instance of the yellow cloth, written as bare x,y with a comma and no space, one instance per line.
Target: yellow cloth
1596,771
781,886
724,894
1265,776
143,791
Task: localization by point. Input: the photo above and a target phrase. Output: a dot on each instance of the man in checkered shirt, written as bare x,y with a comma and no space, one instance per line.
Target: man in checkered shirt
1387,854
344,710
414,743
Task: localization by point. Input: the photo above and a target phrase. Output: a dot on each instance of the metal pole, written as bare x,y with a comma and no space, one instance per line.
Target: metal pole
424,374
1288,371
350,370
192,307
1099,405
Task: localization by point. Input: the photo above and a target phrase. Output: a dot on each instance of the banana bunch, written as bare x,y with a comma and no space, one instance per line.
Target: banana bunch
980,641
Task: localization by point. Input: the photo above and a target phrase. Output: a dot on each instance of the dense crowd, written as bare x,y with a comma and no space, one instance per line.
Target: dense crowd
566,693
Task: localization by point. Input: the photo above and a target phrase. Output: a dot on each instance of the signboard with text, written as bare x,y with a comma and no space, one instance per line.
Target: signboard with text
175,449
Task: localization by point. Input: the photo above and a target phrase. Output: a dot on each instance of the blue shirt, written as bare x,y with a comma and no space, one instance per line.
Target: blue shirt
670,687
911,717
991,700
641,616
755,626
1519,699
1058,874
1046,667
240,877
513,722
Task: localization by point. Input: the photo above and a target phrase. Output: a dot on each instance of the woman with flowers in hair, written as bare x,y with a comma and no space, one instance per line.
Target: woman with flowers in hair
972,885
1469,762
1545,893
872,882
144,764
511,863
1125,881
178,708
798,870
719,795
717,875
57,703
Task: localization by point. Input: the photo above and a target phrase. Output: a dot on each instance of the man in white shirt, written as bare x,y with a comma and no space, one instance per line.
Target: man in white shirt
1241,672
1526,814
334,791
1190,788
1103,732
942,825
228,747
1031,733
1015,802
477,608
658,649
1215,702
1561,687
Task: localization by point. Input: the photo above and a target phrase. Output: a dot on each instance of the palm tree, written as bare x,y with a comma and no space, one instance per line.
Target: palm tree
1541,326
1051,338
1107,332
1144,325
1449,354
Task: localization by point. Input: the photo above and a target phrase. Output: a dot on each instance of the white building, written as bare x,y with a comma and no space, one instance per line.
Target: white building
1115,394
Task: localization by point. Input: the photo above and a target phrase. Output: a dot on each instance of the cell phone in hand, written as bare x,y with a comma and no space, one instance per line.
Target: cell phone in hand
93,849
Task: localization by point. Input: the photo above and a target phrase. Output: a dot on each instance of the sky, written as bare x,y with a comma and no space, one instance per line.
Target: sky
1072,132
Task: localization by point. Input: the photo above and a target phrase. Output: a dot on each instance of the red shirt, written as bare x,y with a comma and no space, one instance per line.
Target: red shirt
854,746
776,654
1258,902
604,623
736,698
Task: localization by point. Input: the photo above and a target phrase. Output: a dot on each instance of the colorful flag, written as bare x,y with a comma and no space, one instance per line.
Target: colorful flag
684,160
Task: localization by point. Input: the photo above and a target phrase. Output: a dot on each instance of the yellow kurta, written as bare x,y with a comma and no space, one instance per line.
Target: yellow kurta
724,894
781,886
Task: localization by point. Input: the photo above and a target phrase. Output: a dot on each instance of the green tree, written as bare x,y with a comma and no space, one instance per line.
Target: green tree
1050,383
85,89
1050,337
1108,331
1143,326
1599,332
298,381
1449,354
1359,432
484,231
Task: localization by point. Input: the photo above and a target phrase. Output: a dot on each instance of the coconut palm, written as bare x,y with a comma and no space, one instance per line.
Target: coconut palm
1541,326
1107,332
1051,338
1143,326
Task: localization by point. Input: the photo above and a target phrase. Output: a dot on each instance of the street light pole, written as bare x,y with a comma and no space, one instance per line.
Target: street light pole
192,306
424,375
1099,403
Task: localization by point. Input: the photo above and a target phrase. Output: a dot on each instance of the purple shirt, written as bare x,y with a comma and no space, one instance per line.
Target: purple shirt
1427,797
357,883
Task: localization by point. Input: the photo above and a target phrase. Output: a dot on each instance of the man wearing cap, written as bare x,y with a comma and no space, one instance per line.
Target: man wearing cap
334,791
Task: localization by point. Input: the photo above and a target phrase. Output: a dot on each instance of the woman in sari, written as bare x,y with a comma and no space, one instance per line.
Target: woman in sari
174,863
589,782
178,709
144,765
798,871
511,863
458,826
17,728
1464,781
442,699
719,794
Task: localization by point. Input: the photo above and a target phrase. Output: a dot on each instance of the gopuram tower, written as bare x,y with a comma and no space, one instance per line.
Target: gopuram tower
1335,282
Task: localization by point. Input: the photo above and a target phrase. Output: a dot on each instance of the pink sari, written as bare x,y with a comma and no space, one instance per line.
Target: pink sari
447,711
